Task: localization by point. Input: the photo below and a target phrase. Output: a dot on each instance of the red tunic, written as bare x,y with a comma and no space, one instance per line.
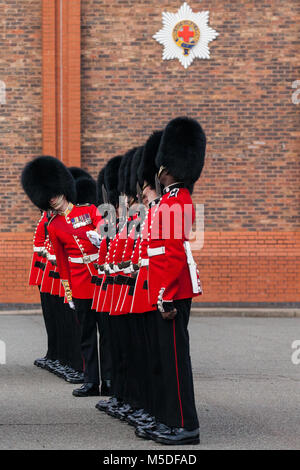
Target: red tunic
103,250
140,300
105,297
123,254
124,300
51,278
36,273
68,237
168,274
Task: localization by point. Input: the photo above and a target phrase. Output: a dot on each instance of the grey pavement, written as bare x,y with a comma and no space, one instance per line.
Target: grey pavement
247,390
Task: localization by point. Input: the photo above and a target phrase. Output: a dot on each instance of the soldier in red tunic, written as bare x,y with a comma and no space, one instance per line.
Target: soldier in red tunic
139,305
173,280
50,182
38,265
109,186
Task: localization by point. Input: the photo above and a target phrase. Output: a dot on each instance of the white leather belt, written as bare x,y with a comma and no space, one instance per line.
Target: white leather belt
192,268
160,250
128,270
85,259
51,257
144,262
41,250
108,268
116,269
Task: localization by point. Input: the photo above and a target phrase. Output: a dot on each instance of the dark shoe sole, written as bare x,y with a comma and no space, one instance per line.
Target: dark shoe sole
38,364
111,413
190,441
145,436
85,395
74,381
99,408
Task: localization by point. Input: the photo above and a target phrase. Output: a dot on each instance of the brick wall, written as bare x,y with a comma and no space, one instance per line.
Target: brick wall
21,116
242,96
15,259
20,138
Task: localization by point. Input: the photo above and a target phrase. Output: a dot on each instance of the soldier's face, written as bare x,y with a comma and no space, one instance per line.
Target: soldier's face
149,195
58,202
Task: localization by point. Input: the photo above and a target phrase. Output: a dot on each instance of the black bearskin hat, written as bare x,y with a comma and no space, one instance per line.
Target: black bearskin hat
86,189
79,173
135,163
111,179
182,150
123,171
148,169
46,177
128,172
100,183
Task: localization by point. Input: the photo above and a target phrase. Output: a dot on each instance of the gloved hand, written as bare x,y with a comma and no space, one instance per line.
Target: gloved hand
71,305
94,237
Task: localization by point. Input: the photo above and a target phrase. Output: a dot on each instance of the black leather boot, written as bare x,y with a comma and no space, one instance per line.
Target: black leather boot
103,405
87,390
40,362
75,378
142,431
134,417
176,437
106,389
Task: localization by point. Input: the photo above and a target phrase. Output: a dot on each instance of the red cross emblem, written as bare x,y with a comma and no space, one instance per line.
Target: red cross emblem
186,34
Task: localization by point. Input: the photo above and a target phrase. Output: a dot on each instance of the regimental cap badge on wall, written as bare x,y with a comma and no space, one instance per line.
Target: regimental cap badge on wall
185,35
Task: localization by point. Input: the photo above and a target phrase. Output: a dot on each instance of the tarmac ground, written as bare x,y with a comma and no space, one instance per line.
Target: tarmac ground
246,384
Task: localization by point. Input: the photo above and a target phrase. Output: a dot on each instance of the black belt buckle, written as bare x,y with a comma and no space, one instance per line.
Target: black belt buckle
54,274
94,279
39,264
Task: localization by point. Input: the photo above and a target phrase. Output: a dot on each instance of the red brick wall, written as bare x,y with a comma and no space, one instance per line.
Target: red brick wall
21,116
20,138
242,96
15,259
250,267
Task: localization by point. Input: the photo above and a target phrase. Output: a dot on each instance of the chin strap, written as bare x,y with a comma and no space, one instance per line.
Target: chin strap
158,187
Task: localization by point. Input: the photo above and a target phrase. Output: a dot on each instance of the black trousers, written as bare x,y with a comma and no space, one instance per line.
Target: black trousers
179,408
154,369
49,315
89,320
129,360
71,337
138,373
120,348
